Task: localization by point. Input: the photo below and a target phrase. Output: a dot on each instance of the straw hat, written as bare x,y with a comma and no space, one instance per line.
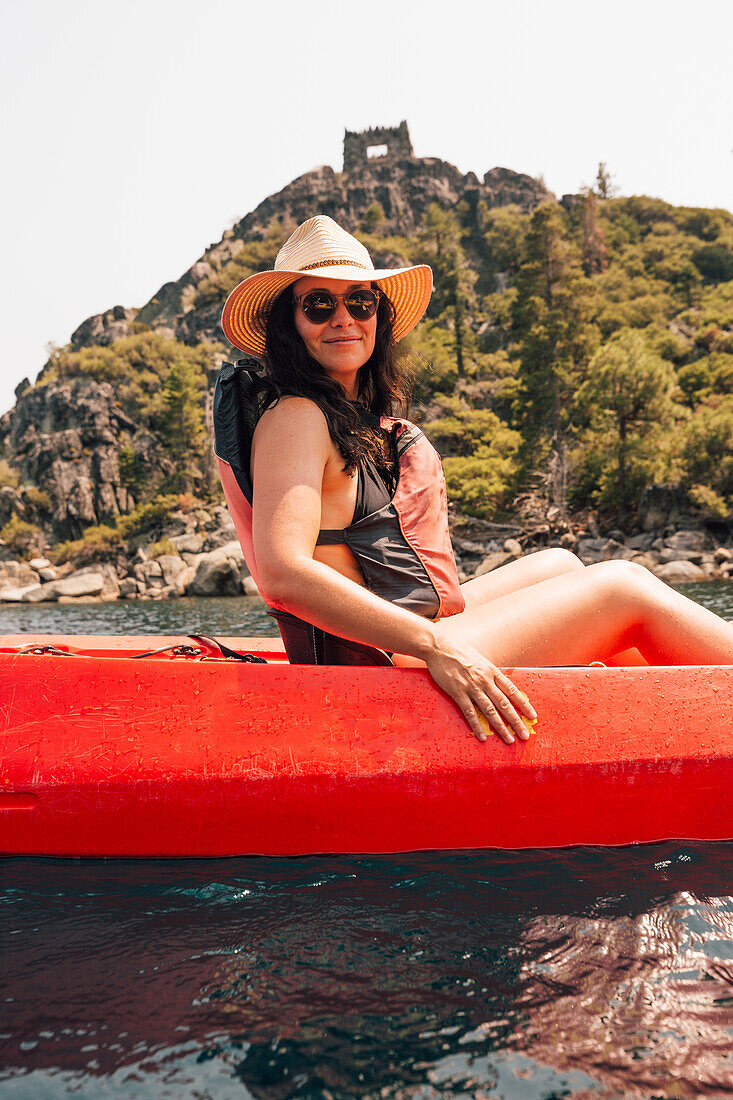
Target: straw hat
321,247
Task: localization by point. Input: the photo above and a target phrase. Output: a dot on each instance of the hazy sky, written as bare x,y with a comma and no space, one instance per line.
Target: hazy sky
134,133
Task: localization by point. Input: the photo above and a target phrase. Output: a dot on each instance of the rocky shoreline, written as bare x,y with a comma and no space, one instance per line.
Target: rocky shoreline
199,555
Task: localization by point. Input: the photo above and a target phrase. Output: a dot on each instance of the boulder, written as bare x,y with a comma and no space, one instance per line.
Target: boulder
640,542
722,554
251,589
220,572
171,567
675,572
687,540
77,585
128,587
111,586
514,547
613,550
590,550
149,573
40,593
184,579
49,574
671,554
15,595
17,574
39,563
188,544
220,537
493,561
160,593
221,515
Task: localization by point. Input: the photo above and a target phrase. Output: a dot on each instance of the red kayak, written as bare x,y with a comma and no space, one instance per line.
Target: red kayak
103,753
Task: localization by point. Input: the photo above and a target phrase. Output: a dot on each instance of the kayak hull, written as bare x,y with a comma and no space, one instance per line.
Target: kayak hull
101,755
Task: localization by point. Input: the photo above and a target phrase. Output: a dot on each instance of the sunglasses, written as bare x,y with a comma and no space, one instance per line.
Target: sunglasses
320,305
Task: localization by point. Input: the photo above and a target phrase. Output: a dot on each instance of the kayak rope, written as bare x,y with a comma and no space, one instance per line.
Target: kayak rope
47,649
174,650
221,651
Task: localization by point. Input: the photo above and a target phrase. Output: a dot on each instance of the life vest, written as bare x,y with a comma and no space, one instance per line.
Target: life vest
403,549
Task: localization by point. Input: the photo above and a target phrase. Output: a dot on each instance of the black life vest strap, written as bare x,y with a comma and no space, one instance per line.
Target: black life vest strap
328,537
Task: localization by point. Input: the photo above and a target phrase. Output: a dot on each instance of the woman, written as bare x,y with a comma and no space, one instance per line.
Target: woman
346,533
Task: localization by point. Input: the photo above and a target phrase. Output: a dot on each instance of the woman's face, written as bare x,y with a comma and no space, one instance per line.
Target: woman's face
341,344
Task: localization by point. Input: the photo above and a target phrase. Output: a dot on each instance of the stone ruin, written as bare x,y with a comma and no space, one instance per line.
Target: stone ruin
396,140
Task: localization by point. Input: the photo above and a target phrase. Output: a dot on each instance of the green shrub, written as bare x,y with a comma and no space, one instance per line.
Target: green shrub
146,516
484,482
22,537
9,475
162,546
94,543
38,499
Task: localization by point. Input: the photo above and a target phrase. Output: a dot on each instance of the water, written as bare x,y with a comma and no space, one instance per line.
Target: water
225,616
579,973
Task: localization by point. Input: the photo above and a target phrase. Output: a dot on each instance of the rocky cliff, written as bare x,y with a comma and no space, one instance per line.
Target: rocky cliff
65,437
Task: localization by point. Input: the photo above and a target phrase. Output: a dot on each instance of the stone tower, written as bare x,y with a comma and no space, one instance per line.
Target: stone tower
356,146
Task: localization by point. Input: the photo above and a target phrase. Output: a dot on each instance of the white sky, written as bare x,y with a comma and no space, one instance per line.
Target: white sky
133,133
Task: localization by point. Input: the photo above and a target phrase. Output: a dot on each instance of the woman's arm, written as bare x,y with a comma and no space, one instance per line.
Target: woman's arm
290,454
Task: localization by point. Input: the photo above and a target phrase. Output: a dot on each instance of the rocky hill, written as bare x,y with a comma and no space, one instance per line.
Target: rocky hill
402,184
65,436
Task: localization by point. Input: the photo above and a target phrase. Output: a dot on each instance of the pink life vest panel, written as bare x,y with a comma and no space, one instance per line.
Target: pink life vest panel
403,548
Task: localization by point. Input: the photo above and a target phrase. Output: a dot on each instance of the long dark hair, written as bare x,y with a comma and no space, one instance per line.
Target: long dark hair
385,387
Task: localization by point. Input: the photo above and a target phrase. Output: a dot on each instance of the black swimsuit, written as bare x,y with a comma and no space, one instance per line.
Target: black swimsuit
306,644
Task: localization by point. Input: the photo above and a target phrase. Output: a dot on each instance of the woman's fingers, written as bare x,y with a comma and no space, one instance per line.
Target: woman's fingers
500,714
491,720
517,697
480,727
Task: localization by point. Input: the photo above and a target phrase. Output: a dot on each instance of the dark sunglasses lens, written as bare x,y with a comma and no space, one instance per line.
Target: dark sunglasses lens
318,306
361,304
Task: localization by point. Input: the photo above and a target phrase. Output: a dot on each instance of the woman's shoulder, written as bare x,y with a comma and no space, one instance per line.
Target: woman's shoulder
292,416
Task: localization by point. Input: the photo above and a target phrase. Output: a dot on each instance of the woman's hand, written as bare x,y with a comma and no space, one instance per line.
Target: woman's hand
483,692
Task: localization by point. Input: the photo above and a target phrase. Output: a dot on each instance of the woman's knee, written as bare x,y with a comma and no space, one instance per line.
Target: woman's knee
622,578
556,561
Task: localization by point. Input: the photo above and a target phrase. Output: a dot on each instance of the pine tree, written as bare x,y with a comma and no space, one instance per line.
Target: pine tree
595,252
551,319
632,385
441,247
605,188
182,423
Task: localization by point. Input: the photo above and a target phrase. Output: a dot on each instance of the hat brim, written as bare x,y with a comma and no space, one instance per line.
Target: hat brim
245,313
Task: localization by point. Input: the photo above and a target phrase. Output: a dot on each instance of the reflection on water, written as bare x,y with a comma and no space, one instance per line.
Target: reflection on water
589,972
584,973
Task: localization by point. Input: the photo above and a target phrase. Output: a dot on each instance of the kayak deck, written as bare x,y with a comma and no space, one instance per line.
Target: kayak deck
103,755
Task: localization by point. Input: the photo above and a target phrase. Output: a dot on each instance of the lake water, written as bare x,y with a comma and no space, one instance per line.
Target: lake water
587,972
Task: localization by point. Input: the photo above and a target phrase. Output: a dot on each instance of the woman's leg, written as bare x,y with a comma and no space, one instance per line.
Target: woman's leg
590,614
519,574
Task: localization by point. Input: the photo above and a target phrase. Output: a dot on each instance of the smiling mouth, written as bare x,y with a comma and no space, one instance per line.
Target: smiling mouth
344,340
